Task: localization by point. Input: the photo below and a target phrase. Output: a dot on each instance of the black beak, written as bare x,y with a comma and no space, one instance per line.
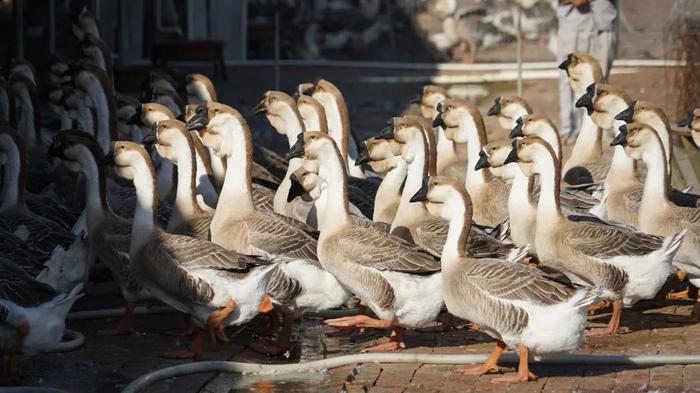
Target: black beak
363,155
438,121
136,118
628,114
297,149
386,132
513,155
496,108
621,138
296,189
586,101
108,159
260,108
200,119
417,99
483,161
517,132
565,64
422,194
687,120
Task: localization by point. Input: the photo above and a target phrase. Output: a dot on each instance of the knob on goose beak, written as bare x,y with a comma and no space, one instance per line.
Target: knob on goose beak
686,120
135,119
422,194
483,161
297,149
628,114
565,64
295,189
586,100
363,155
199,120
517,132
513,155
621,138
386,132
496,108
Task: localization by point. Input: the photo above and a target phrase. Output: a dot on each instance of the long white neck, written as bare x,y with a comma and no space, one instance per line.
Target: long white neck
389,192
339,130
459,226
588,144
218,168
655,196
548,208
96,206
622,172
238,188
409,212
522,210
144,224
25,119
335,214
103,132
446,152
475,179
292,127
12,189
186,206
665,136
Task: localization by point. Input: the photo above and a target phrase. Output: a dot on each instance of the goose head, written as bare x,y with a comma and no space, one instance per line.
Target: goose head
162,81
493,156
509,109
76,150
533,154
313,145
22,67
128,159
445,193
379,154
431,96
692,121
603,102
85,23
199,89
312,113
539,126
326,93
169,136
637,139
217,124
305,182
453,114
280,110
408,134
582,70
166,98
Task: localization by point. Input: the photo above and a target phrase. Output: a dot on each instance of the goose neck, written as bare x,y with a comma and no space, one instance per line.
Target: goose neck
279,202
186,206
588,144
548,207
96,205
144,224
475,142
662,131
13,182
458,231
105,116
520,197
389,192
656,184
335,214
409,212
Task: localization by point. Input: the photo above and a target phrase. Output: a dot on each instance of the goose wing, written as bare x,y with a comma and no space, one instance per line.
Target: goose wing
43,234
278,236
379,250
19,288
690,218
515,282
605,241
196,227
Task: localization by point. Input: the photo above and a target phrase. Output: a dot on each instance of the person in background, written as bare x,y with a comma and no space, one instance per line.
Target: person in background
586,26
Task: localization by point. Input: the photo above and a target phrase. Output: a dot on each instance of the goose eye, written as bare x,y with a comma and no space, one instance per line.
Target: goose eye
121,147
216,111
149,109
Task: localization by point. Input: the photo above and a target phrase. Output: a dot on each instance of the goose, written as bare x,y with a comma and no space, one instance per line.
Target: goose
383,157
239,226
398,282
32,315
98,88
463,124
412,221
620,200
312,113
692,121
167,98
199,89
627,265
126,109
652,115
508,110
23,68
7,103
330,97
215,286
218,165
520,307
588,163
450,154
85,23
657,214
99,53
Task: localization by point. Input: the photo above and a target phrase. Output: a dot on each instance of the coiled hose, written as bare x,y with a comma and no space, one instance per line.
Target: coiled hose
299,368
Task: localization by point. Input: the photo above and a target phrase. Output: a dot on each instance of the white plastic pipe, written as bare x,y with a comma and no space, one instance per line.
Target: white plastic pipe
315,366
118,312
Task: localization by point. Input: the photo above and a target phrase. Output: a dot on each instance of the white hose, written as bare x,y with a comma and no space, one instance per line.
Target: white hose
118,312
30,389
318,365
75,341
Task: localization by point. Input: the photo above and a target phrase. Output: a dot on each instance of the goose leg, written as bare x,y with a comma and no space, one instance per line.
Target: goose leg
123,327
214,322
523,374
491,364
395,342
193,352
360,321
613,325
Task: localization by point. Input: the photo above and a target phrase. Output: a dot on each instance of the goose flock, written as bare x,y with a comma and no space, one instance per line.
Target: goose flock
171,195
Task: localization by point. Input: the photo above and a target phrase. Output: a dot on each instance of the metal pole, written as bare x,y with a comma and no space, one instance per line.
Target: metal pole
519,52
277,50
19,25
52,26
